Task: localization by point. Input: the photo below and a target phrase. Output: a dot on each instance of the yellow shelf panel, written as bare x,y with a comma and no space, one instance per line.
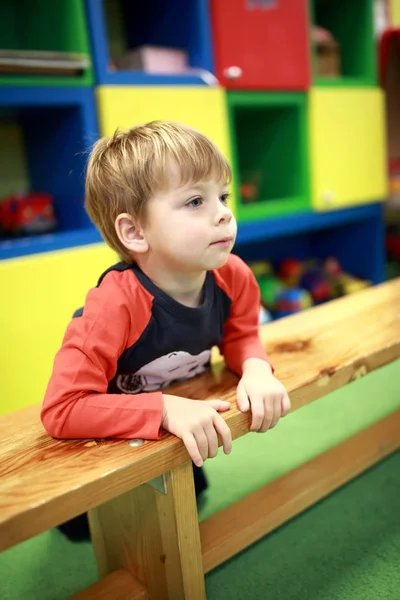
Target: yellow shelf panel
41,293
347,147
200,107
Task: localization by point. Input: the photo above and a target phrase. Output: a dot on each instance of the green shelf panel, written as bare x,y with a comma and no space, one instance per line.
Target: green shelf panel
45,25
270,152
351,23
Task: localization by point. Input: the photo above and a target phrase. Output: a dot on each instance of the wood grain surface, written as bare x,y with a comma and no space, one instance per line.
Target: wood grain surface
44,481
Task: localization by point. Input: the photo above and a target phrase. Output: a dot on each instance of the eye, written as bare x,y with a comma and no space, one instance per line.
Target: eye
224,198
195,203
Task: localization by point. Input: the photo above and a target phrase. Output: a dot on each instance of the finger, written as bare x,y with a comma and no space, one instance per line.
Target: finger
268,417
242,398
219,405
212,439
257,411
286,405
225,433
201,441
193,450
277,411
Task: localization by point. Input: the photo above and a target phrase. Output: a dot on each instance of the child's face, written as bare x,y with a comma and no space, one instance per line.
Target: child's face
190,227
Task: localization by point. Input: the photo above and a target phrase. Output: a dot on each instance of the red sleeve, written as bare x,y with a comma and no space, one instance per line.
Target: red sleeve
241,331
76,404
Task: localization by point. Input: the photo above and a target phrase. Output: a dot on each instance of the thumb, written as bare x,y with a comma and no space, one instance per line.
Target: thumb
242,398
219,405
285,405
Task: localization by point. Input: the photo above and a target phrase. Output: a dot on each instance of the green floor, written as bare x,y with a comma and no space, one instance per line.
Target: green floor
347,547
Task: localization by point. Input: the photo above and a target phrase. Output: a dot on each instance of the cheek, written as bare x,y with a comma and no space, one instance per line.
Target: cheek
234,225
190,229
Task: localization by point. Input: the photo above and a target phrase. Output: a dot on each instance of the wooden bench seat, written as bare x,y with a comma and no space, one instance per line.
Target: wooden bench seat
155,535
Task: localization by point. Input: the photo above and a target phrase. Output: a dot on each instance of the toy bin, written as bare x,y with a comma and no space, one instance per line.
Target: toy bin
269,147
343,46
44,137
347,147
56,28
152,42
261,44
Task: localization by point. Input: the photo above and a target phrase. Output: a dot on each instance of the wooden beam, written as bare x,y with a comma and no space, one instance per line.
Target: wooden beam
119,585
314,352
240,525
154,536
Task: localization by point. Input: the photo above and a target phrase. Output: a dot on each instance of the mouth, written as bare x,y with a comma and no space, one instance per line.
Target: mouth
223,242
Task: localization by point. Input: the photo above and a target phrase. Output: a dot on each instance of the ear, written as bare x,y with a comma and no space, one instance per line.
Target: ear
130,234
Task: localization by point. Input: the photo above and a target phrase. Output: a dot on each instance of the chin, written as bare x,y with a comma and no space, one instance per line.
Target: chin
218,261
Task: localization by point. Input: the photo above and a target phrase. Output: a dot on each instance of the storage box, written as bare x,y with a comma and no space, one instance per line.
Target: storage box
154,59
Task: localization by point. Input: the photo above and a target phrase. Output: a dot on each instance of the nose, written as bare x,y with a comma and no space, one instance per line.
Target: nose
224,214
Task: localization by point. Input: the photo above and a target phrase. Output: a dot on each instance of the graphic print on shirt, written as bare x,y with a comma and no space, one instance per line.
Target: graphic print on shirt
163,371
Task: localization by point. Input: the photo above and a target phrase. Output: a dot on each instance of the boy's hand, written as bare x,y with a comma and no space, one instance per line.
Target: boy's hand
198,424
265,394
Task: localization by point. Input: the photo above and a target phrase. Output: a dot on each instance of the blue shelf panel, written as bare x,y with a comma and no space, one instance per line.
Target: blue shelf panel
47,243
178,24
141,78
304,222
30,96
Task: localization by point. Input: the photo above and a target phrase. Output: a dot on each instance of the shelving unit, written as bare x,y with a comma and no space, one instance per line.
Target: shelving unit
313,148
351,24
117,26
44,25
54,132
270,149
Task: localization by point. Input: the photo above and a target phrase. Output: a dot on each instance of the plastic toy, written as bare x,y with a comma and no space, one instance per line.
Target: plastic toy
317,282
332,267
350,284
27,214
290,271
261,268
270,288
292,301
248,192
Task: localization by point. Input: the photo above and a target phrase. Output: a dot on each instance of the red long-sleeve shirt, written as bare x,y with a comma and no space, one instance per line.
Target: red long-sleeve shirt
132,339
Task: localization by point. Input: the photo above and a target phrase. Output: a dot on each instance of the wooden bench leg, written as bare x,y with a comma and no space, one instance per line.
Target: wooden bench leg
155,536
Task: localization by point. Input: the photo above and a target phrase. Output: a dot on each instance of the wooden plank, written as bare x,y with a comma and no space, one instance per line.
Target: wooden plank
233,529
119,585
314,352
154,536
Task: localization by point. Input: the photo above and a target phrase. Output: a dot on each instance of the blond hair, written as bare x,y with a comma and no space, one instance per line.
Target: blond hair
127,169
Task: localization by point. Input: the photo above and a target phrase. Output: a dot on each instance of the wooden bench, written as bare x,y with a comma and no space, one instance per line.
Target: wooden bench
146,538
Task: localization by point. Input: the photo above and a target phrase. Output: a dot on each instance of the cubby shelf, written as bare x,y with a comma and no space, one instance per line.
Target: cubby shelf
354,236
351,24
44,25
270,152
55,129
120,25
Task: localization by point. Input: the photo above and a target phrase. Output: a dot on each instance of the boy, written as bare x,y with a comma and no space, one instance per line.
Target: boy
158,194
